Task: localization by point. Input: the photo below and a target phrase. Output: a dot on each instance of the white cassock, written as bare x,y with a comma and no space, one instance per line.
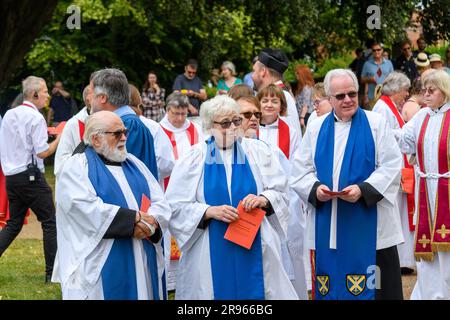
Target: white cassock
292,117
433,277
296,258
385,179
82,220
405,250
183,145
163,149
70,139
186,198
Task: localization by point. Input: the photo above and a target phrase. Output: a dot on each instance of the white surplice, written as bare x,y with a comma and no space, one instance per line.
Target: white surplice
433,278
186,198
82,219
163,148
292,117
183,147
70,139
385,179
296,257
406,249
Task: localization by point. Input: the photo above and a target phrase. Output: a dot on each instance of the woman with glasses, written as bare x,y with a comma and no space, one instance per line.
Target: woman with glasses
251,115
321,102
395,90
427,135
205,190
275,131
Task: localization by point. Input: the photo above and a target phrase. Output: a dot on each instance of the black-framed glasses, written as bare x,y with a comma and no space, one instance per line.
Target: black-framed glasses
117,134
227,123
249,115
341,96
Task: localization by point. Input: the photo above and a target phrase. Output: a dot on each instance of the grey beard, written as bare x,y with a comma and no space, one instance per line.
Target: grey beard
113,154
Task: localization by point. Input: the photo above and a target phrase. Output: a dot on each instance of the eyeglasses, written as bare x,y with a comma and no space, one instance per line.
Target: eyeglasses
178,114
117,134
318,101
376,50
341,96
227,123
404,49
429,90
249,115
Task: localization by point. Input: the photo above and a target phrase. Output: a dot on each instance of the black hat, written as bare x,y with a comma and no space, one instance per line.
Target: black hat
274,59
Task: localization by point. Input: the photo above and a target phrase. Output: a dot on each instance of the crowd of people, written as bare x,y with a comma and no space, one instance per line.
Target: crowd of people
328,192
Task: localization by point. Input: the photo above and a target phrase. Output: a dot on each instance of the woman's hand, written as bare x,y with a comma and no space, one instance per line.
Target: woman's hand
252,201
222,213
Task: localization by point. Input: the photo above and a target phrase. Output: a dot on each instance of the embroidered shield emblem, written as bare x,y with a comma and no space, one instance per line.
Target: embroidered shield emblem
356,283
323,283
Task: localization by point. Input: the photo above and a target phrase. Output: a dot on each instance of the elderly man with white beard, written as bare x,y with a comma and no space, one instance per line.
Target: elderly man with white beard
109,243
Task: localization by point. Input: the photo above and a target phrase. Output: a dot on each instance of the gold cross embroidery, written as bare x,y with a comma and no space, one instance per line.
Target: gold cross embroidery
356,283
443,231
424,241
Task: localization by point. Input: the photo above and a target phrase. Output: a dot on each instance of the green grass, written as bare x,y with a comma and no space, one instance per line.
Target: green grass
22,270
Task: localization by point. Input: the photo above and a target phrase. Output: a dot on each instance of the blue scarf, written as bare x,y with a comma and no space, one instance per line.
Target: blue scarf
139,140
119,273
237,273
341,270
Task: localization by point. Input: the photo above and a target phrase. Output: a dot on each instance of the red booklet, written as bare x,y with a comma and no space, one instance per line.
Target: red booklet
243,230
58,130
145,203
336,193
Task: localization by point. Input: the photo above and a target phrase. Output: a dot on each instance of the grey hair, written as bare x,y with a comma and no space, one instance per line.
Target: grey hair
229,65
85,94
216,107
94,125
31,85
395,82
338,73
177,100
114,84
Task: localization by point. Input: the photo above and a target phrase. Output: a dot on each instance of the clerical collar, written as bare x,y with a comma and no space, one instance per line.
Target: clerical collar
109,162
273,124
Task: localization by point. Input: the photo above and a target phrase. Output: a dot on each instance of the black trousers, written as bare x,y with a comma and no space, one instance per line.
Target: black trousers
390,278
36,195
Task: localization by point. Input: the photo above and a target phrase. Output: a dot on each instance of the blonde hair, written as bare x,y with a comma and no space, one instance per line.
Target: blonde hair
441,80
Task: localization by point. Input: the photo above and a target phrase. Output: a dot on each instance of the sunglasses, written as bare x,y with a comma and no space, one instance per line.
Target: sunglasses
376,50
249,115
227,123
341,96
117,134
429,90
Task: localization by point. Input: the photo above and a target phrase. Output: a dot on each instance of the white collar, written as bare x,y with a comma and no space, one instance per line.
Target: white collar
272,125
30,103
166,124
442,109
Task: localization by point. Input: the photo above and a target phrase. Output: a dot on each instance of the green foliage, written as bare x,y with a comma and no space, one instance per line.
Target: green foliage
138,35
333,63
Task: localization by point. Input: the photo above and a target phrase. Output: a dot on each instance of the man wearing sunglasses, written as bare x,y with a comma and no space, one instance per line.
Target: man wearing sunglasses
375,70
349,173
110,241
191,85
405,62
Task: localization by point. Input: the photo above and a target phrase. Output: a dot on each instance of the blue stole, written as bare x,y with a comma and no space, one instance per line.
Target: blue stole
139,140
342,273
119,273
237,273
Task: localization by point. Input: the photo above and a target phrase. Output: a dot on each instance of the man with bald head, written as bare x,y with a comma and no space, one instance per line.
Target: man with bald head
349,175
109,245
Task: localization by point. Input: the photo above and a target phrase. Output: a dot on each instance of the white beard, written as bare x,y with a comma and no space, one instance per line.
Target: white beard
113,154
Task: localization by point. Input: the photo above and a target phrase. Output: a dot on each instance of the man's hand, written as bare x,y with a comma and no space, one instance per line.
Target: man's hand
322,196
353,195
222,213
252,201
141,230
